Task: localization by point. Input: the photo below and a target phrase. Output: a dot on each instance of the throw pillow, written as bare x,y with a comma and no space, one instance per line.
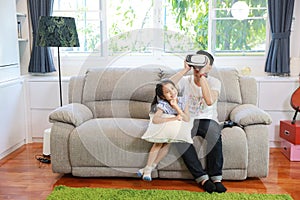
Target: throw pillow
169,132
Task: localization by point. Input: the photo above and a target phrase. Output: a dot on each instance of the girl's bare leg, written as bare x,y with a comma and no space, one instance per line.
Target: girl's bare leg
161,154
154,151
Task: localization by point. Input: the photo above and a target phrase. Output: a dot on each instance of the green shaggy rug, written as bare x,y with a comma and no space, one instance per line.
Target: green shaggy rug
68,193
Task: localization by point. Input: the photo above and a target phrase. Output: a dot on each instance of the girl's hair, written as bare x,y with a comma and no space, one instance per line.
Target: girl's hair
159,93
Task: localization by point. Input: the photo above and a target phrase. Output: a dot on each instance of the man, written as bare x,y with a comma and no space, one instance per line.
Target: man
202,92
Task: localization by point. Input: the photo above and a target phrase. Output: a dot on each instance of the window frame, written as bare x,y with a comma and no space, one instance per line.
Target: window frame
212,25
74,57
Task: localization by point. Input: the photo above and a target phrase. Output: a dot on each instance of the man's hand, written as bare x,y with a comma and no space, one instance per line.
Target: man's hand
186,66
205,69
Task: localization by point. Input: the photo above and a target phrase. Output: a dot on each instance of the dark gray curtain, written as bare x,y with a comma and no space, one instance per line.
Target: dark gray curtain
41,60
280,15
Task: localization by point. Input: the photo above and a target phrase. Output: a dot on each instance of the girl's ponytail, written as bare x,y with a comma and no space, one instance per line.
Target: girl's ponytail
153,104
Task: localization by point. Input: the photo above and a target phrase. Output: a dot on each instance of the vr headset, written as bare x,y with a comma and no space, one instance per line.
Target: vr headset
200,59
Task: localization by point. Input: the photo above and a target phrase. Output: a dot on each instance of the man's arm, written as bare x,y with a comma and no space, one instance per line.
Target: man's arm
176,77
210,96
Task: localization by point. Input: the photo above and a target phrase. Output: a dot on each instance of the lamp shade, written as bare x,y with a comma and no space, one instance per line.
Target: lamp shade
54,31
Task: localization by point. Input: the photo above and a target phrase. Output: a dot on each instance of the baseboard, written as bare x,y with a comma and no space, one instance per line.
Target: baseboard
274,144
37,139
12,149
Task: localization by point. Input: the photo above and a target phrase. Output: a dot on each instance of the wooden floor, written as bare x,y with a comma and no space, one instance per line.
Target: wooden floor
22,177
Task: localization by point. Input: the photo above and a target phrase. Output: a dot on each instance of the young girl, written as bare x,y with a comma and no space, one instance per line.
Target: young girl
167,108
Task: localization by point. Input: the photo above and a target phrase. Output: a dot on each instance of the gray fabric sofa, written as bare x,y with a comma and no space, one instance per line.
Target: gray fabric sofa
98,133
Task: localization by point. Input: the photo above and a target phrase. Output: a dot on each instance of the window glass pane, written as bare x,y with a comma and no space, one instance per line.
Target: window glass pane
93,16
65,5
92,5
89,36
188,23
239,27
66,14
177,38
87,16
124,18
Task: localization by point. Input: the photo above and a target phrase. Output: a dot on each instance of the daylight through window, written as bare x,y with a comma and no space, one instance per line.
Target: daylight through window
172,26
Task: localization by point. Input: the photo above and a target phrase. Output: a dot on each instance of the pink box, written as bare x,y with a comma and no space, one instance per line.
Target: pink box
291,151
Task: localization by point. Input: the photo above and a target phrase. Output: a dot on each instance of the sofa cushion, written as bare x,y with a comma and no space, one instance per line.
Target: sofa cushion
114,83
248,90
120,109
230,89
111,84
109,142
224,110
173,161
234,142
74,114
248,114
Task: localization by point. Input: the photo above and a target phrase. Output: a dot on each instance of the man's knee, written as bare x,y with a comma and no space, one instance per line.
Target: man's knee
214,127
182,147
213,135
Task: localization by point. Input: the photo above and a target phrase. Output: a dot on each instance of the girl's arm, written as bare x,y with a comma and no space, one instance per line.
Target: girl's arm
185,114
158,119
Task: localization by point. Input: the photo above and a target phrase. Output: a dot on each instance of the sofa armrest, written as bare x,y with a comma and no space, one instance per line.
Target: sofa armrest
73,113
249,114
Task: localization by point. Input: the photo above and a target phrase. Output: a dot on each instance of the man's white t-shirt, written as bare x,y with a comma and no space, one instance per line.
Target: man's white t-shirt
193,94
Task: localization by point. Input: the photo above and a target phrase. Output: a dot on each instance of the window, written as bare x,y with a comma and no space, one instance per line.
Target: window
88,22
129,26
172,26
238,27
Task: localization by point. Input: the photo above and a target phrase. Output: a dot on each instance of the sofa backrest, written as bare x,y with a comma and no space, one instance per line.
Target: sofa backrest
128,91
235,90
